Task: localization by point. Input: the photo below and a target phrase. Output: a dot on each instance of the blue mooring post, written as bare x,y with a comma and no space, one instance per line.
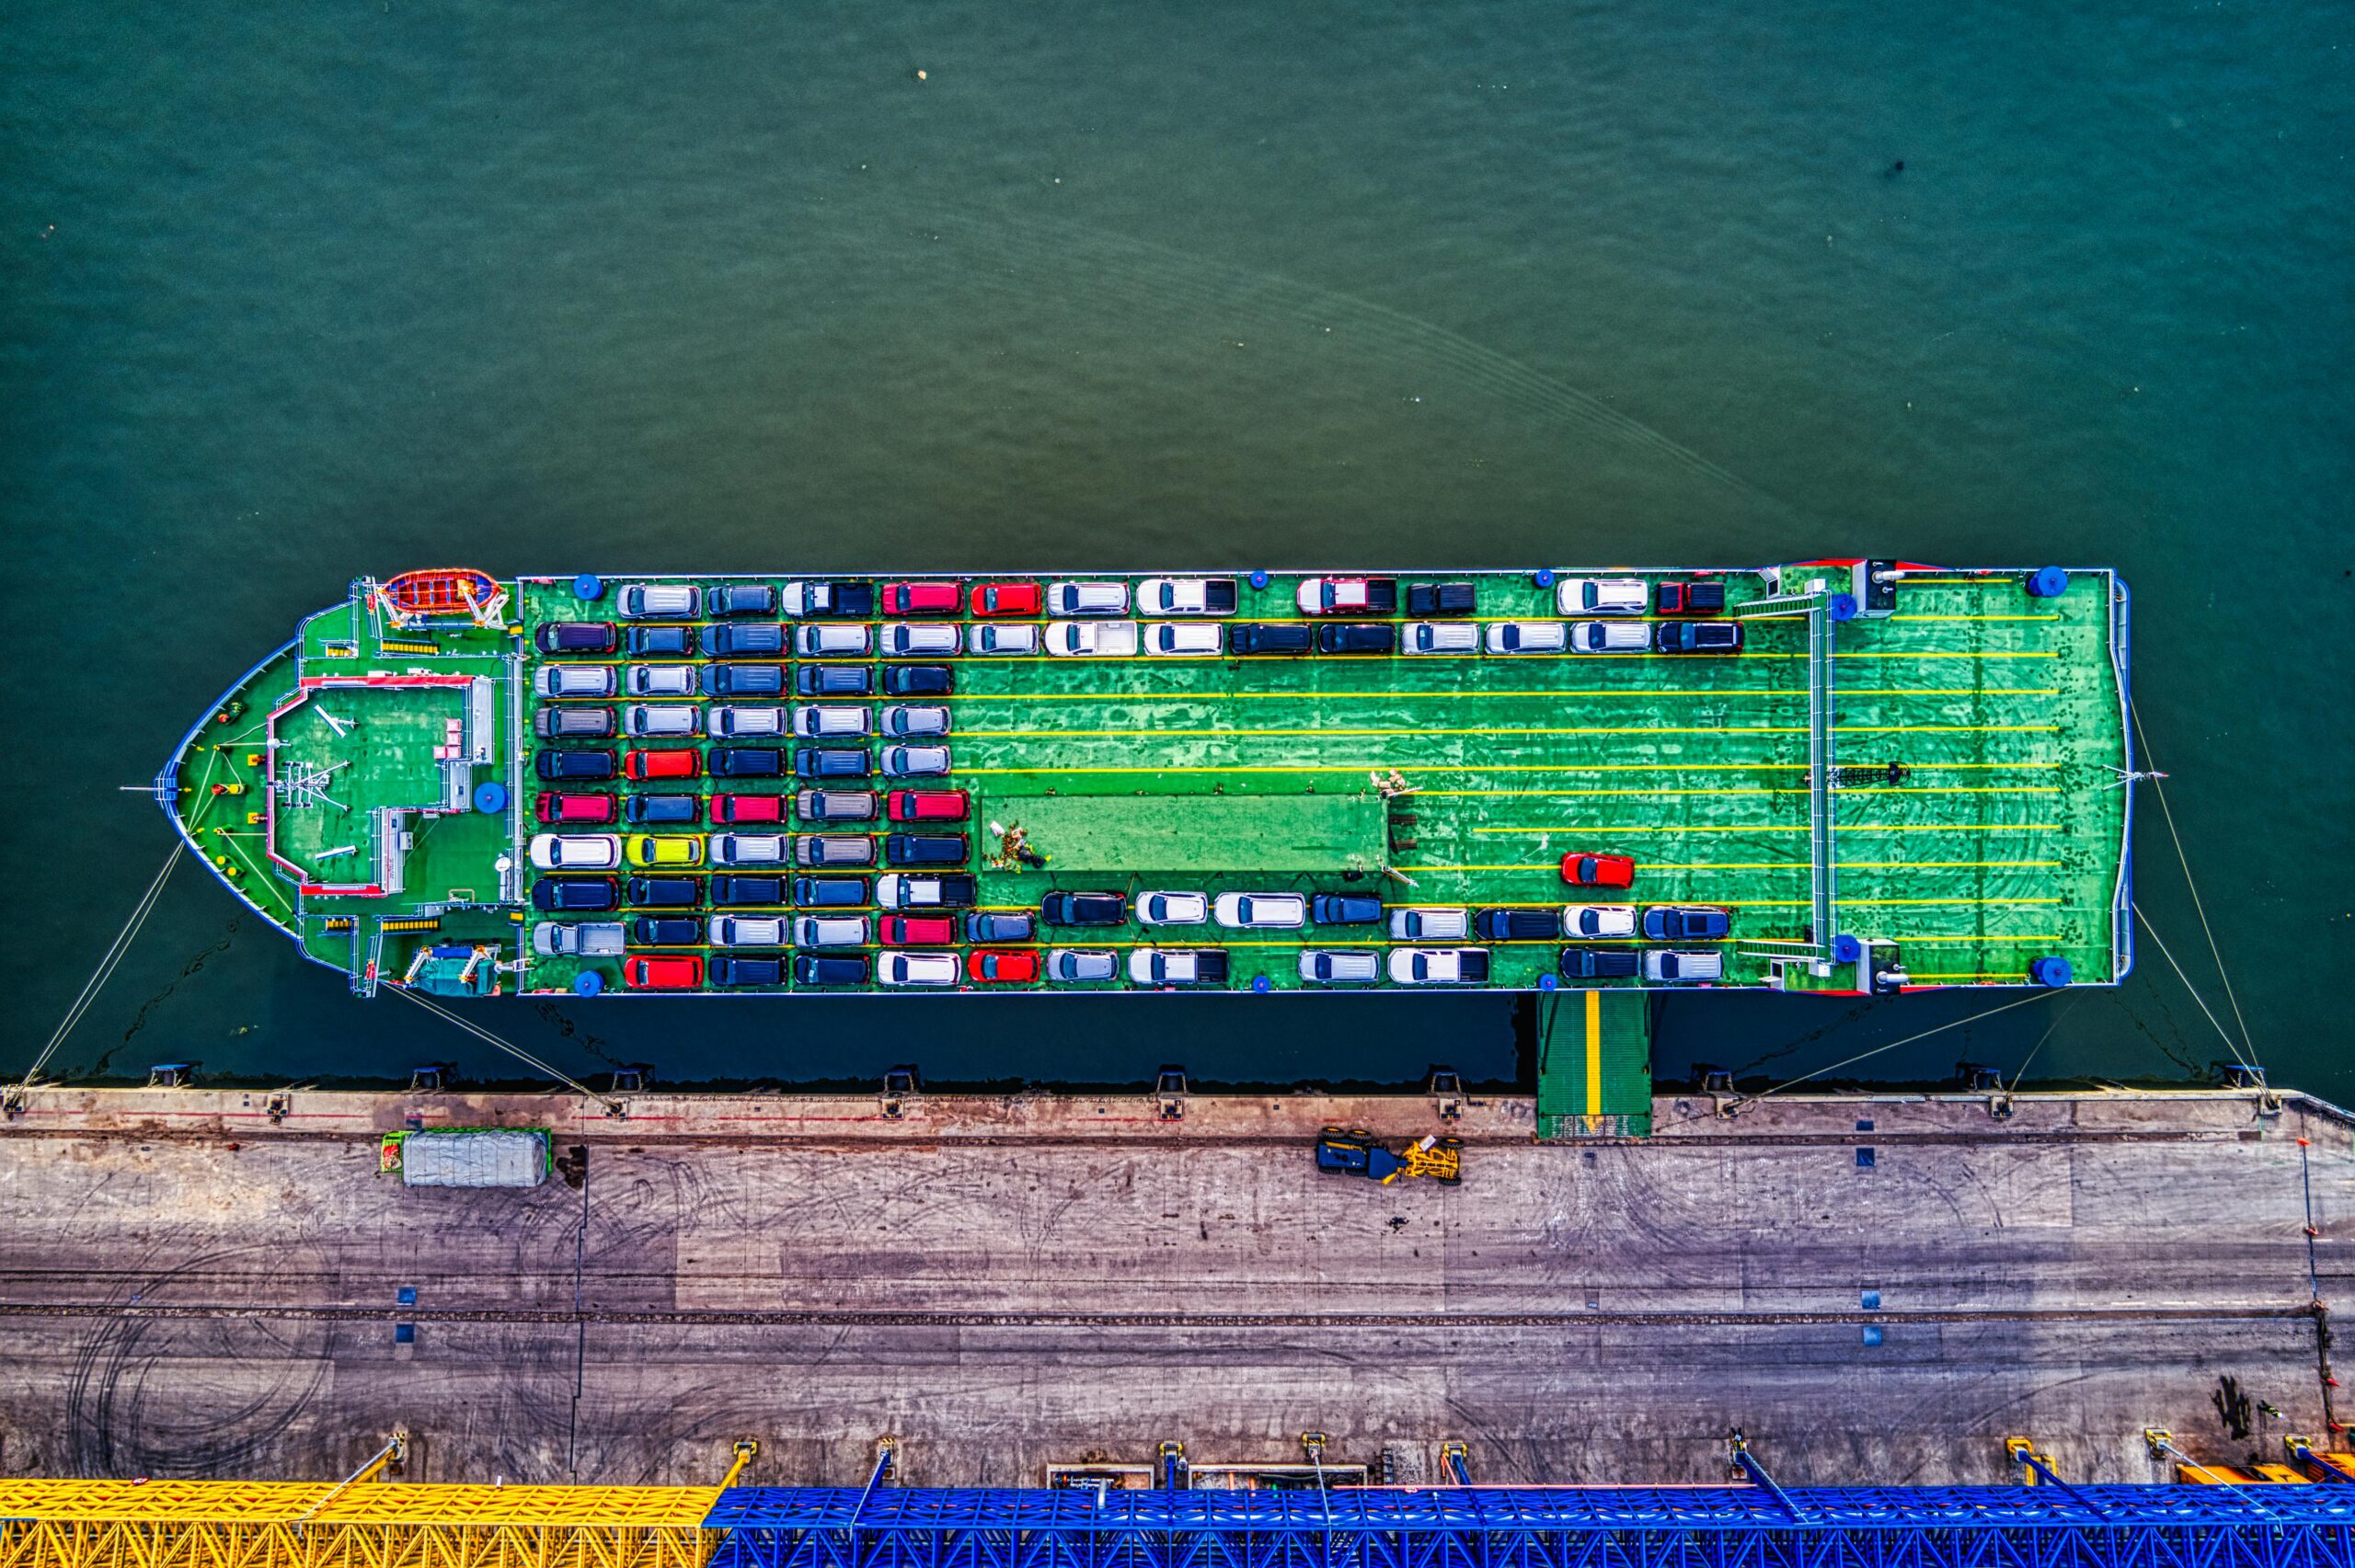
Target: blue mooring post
1545,578
588,586
2048,582
1259,579
2050,970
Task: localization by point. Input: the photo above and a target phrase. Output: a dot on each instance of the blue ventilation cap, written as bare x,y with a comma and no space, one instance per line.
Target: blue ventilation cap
2048,582
490,798
588,585
1259,579
2050,970
588,982
1545,578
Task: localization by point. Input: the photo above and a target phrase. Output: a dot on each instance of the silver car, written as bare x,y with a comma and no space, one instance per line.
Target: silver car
1339,967
1528,636
915,721
833,640
1020,637
1079,966
661,681
748,931
657,602
748,849
818,721
903,639
661,719
1428,924
829,930
739,723
574,680
915,761
598,939
1087,598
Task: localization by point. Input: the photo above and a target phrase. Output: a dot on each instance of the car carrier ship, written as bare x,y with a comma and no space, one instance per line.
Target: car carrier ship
1836,775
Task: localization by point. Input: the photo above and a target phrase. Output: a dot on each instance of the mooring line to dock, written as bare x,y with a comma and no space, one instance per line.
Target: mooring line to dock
518,1052
107,964
1747,1099
2230,1044
2167,814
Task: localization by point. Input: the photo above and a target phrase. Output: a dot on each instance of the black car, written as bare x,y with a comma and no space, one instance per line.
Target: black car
1441,599
1697,637
664,892
833,681
832,762
829,892
739,599
1261,636
727,969
665,931
554,893
748,639
1518,925
557,766
1357,636
808,970
918,680
575,637
655,808
926,849
744,680
1344,908
1598,963
997,928
1084,909
737,892
659,642
747,762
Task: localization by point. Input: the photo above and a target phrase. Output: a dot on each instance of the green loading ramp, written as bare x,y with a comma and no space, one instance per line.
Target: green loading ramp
1594,1065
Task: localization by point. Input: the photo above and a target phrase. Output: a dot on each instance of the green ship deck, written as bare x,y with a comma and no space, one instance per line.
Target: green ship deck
1937,778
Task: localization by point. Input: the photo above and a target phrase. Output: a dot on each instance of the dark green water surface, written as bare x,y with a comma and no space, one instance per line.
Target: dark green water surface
296,293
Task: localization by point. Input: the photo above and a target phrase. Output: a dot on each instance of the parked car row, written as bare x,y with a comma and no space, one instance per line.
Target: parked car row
593,765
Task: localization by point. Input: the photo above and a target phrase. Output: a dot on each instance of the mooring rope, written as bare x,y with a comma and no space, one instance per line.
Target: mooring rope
107,964
2169,816
518,1052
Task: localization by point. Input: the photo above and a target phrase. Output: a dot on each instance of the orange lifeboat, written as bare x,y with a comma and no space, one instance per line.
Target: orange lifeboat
441,593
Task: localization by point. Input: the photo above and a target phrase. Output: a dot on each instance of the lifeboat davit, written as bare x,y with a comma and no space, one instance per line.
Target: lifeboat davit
443,593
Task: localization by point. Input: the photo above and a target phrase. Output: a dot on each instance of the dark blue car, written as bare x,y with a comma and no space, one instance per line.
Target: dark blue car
926,849
557,766
1685,922
810,970
832,762
1084,909
744,639
918,680
833,681
1598,963
747,762
656,809
829,892
560,893
1697,637
1344,908
665,931
727,969
665,892
744,680
658,642
735,892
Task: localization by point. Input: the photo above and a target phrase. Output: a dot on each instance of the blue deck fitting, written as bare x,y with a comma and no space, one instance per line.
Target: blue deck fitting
1729,1526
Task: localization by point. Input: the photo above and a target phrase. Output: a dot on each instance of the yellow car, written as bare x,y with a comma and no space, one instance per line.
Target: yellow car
647,852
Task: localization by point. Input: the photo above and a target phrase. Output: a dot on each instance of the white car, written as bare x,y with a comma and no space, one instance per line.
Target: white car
574,680
826,931
1186,596
1339,967
600,939
661,719
915,721
1260,912
1091,639
1079,966
1179,640
812,598
657,602
917,761
661,681
1427,924
917,968
1601,596
906,639
1343,595
1599,920
833,640
575,852
1439,965
1019,637
748,931
1176,965
1087,598
736,724
1670,966
1609,636
1440,637
748,849
1529,636
819,721
1172,909
898,890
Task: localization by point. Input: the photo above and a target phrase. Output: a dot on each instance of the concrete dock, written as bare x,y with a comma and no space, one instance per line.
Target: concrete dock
195,1283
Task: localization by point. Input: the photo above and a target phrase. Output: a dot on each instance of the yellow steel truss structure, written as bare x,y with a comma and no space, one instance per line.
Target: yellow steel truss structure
233,1524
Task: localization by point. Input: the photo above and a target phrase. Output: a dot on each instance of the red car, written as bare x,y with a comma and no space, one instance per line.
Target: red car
748,807
661,972
919,598
554,808
918,930
659,764
995,966
1006,598
1598,870
928,805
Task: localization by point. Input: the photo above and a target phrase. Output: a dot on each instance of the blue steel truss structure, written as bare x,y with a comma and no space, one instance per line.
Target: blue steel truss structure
1730,1526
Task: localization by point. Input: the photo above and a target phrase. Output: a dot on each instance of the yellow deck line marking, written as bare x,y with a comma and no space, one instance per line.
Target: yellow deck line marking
1593,1051
1769,827
1579,692
1960,582
1843,866
1231,732
1974,617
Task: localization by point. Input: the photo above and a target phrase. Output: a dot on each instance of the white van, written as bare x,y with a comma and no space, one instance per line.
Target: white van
1441,636
1675,966
1087,598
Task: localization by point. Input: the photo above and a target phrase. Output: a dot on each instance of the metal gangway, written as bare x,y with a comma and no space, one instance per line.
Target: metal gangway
1818,606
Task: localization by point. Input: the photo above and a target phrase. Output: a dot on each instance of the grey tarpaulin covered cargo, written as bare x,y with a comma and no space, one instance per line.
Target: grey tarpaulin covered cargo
490,1157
